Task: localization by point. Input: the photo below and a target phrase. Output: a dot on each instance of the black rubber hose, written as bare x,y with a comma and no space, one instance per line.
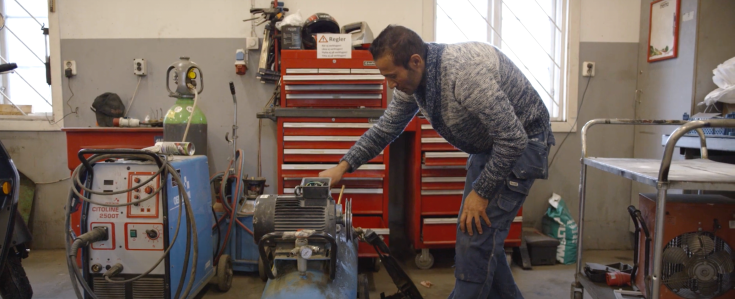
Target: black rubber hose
219,232
186,260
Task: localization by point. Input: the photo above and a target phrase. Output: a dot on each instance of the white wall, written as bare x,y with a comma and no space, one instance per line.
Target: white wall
610,21
94,19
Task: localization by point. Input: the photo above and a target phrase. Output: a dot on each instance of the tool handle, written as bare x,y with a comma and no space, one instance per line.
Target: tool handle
232,88
339,200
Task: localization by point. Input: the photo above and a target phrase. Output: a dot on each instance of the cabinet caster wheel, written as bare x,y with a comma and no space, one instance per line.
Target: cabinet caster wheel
376,264
424,260
224,273
577,295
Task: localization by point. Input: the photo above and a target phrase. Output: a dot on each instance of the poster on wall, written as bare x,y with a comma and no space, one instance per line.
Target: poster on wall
663,30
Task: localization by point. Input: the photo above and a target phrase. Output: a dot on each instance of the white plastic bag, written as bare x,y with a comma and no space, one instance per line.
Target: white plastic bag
724,78
293,19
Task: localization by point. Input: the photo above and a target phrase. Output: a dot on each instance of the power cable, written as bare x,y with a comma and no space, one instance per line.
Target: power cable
579,112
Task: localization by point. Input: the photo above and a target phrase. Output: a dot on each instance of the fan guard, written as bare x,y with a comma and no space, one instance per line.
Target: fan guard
698,265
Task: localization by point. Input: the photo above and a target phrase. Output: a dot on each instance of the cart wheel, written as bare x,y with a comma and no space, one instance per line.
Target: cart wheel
425,260
224,273
362,287
375,264
261,270
577,295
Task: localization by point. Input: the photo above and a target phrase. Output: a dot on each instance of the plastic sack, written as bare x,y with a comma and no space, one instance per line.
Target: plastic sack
724,78
293,19
559,224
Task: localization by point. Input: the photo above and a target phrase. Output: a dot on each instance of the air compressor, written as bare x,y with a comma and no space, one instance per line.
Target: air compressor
147,226
309,247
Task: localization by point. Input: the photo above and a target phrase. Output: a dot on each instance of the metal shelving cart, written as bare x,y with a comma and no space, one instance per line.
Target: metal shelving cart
665,174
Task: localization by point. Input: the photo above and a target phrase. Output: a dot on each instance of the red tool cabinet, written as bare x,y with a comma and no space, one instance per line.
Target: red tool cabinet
438,172
309,145
331,83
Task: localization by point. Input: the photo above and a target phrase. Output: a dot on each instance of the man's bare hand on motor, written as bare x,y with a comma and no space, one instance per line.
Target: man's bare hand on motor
336,173
473,209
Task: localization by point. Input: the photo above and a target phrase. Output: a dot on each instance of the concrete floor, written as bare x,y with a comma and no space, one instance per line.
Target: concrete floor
47,272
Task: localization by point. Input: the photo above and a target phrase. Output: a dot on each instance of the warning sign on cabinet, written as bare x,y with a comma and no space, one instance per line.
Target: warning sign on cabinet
330,46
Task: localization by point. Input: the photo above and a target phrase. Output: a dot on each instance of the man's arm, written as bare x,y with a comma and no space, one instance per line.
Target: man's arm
484,98
400,111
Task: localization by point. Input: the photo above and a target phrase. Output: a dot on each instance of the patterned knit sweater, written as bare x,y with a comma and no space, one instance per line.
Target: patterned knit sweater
473,96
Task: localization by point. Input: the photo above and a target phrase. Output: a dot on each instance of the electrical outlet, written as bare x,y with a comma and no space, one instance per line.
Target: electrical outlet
588,69
70,65
140,67
252,43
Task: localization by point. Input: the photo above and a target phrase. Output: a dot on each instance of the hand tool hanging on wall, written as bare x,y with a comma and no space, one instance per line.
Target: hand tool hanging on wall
268,66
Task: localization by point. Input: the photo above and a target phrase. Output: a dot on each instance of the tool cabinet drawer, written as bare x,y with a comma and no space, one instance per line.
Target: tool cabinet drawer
442,183
436,144
337,128
319,142
336,99
319,155
443,171
375,223
439,231
441,202
312,170
445,158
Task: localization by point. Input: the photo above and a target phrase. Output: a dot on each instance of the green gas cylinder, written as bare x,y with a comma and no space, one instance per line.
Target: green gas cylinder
186,73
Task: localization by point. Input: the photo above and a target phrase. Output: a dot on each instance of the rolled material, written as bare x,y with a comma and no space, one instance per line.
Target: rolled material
173,148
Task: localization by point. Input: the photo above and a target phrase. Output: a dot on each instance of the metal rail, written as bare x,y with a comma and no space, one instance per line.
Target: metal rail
662,186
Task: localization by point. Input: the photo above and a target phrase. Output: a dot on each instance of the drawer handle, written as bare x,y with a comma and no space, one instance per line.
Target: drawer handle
434,140
447,155
328,125
442,192
347,191
334,87
442,179
327,166
321,138
331,77
440,220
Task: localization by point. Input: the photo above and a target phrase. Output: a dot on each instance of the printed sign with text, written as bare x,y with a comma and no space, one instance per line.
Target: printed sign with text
330,46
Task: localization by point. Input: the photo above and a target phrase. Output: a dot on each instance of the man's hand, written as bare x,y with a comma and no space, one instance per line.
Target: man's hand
474,208
335,173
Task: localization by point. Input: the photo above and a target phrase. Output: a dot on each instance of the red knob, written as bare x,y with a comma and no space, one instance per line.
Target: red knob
137,180
148,190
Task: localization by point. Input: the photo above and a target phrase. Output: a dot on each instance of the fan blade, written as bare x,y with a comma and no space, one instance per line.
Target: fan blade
707,287
675,255
724,262
700,244
677,281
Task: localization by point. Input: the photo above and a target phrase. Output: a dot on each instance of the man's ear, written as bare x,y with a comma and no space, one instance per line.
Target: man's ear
415,61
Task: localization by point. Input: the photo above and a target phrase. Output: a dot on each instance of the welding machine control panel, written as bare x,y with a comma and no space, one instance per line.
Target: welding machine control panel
136,232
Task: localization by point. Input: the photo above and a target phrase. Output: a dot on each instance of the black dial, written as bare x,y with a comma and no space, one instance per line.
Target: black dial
152,234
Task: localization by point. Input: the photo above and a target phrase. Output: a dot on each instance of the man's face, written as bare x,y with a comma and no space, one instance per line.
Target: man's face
404,79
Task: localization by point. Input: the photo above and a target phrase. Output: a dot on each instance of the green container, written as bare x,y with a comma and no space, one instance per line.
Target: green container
174,125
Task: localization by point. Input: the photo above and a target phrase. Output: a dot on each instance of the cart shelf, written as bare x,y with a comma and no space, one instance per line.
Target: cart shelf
695,174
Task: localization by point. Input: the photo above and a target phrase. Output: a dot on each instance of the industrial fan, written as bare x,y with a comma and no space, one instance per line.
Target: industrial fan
699,235
698,265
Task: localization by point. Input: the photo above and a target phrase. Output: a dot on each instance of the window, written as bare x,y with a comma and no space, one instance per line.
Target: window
533,33
23,43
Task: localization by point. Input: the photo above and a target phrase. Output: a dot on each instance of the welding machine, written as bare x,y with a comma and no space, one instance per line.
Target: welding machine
147,226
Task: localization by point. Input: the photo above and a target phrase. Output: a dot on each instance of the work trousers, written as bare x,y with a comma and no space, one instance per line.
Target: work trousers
481,269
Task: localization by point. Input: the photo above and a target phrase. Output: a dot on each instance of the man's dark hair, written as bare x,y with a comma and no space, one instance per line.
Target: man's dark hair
399,42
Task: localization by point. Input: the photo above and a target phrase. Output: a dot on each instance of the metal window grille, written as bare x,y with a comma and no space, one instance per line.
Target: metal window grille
533,33
22,41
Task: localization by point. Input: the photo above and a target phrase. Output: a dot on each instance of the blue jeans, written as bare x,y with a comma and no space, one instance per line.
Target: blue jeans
481,268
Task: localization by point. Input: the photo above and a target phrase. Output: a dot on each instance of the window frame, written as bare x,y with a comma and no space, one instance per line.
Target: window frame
570,90
39,122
